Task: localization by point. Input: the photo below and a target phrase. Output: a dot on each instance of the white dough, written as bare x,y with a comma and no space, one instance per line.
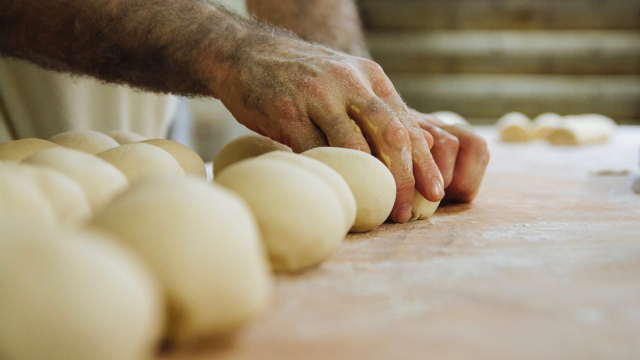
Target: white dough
74,296
245,147
583,129
91,142
331,176
450,118
421,207
203,243
16,150
139,160
370,181
545,123
100,180
300,216
125,137
21,199
67,199
190,162
515,127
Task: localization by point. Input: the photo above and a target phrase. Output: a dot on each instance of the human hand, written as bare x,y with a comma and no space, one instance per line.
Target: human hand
461,156
305,96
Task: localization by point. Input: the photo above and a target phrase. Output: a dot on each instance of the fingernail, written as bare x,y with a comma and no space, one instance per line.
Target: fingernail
436,190
403,214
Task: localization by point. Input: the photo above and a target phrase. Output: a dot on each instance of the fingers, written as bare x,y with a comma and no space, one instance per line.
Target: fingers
428,137
445,151
339,129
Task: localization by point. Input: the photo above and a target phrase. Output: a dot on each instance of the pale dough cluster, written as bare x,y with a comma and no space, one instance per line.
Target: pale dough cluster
556,129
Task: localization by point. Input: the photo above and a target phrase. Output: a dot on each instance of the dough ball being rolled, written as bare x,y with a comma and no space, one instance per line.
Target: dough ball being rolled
190,162
67,199
139,160
91,142
100,180
17,150
515,127
545,123
421,207
583,129
371,183
300,216
74,296
450,118
203,243
125,137
245,147
331,176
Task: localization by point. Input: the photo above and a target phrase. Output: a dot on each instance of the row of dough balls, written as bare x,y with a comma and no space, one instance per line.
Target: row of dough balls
556,129
166,256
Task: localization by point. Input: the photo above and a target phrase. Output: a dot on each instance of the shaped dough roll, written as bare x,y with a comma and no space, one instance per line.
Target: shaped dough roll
91,142
125,137
190,162
583,129
544,124
422,208
515,127
245,147
139,160
21,199
17,150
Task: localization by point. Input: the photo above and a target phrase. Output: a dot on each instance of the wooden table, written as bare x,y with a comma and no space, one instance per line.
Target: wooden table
545,264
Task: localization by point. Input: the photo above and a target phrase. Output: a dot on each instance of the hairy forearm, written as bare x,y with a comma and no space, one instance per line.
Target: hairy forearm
172,46
334,23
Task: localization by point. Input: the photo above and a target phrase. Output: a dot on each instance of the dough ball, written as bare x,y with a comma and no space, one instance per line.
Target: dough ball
545,123
100,180
300,216
369,180
244,147
66,197
583,129
450,118
190,162
139,160
515,127
16,150
421,207
74,296
125,137
22,199
203,243
329,175
91,142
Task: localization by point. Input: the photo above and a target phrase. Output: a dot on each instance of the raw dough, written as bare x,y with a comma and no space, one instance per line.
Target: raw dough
370,181
139,160
515,127
74,296
583,129
545,123
88,141
300,216
421,207
190,162
450,118
203,243
100,180
244,147
125,137
22,199
17,150
329,175
67,199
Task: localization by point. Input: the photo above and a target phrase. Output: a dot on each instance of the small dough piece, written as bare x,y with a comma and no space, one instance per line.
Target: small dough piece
100,180
421,207
370,181
515,127
450,118
139,160
545,123
204,245
125,137
74,296
245,147
190,162
22,199
583,129
300,216
329,175
91,142
66,197
17,150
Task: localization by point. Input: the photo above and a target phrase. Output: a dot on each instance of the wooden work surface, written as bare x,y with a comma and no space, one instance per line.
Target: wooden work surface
545,264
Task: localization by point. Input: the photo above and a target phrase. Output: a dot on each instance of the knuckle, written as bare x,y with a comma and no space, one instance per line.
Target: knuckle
405,187
450,142
395,134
